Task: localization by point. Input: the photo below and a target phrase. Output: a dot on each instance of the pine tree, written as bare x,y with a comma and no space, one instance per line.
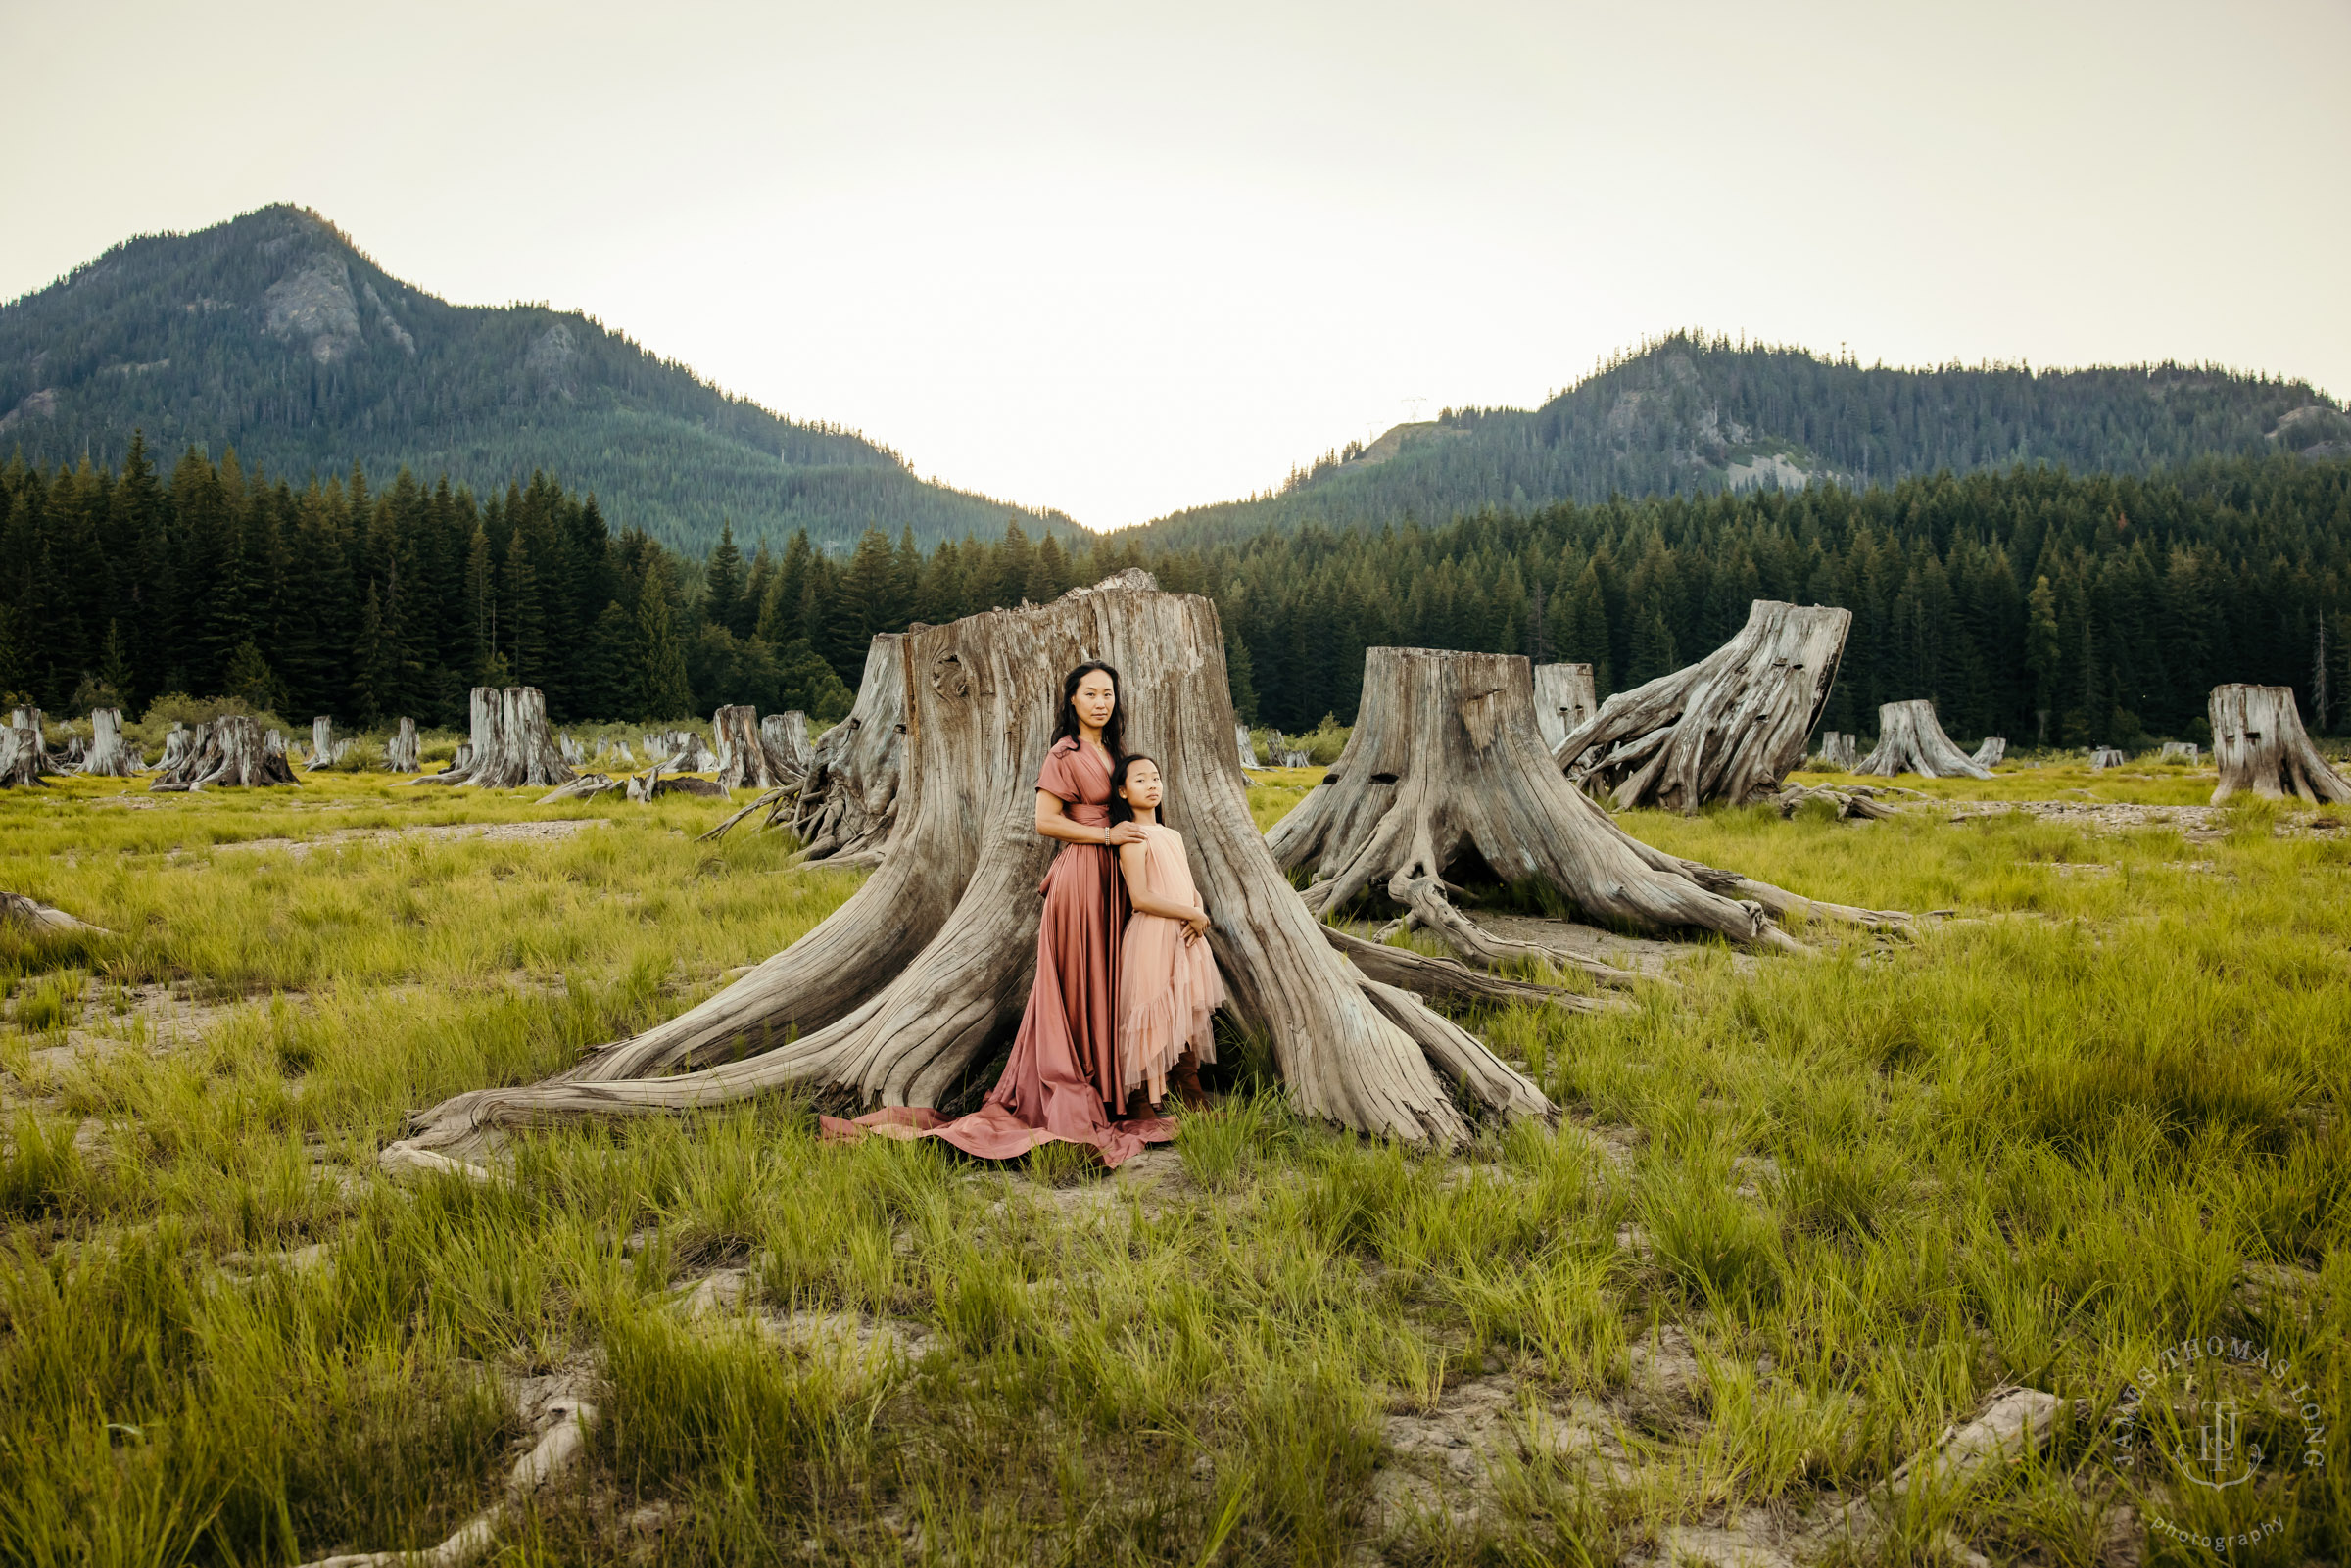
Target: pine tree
1239,677
664,691
722,583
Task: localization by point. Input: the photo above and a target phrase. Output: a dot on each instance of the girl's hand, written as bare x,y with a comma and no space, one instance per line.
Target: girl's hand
1126,833
1197,922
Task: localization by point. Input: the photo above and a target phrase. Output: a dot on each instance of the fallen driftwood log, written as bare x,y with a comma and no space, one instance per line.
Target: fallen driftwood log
2260,746
1446,773
1911,740
587,786
897,994
109,756
1992,753
1726,729
511,748
1849,801
232,752
31,915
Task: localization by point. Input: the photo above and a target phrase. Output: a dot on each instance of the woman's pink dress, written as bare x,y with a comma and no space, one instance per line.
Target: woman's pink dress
1062,1081
1166,987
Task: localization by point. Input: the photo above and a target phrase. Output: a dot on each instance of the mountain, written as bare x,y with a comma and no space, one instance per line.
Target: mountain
1691,415
275,334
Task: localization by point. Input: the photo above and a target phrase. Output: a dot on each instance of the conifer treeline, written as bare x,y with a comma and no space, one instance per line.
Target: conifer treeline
2030,604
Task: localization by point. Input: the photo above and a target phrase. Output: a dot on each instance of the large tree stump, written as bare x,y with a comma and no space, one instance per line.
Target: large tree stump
1446,776
926,966
1992,753
232,752
744,760
109,756
1726,729
849,803
20,757
1566,699
786,737
1910,740
399,751
511,748
35,721
2259,744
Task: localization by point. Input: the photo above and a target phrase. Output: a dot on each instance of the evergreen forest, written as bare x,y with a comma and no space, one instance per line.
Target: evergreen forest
2048,607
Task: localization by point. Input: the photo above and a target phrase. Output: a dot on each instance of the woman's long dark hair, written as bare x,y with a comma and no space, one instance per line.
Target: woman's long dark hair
1120,809
1067,728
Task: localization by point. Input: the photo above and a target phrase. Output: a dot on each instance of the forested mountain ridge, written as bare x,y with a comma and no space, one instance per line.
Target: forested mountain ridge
1693,415
273,334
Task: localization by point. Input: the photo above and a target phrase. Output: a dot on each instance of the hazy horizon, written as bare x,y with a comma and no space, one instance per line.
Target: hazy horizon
1122,265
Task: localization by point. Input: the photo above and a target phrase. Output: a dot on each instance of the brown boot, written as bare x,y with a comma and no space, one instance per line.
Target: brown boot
1183,1080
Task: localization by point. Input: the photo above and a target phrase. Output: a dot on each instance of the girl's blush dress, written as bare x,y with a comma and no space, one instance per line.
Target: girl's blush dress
1166,987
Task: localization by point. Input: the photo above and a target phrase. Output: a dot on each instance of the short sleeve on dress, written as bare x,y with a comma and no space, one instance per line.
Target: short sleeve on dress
1059,776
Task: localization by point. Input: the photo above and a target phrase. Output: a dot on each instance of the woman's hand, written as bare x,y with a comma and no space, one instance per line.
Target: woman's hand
1126,833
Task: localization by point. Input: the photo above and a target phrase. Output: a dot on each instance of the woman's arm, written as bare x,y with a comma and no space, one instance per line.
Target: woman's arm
1146,902
1053,821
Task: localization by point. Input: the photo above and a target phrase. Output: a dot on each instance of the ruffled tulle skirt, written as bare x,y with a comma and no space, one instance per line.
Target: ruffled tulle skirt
1167,990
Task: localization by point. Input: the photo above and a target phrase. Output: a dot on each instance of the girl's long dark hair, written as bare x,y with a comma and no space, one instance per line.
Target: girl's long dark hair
1067,728
1119,810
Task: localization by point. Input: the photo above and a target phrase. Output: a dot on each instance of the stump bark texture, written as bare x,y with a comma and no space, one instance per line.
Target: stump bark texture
1991,752
1911,740
399,752
744,760
232,752
786,737
20,757
36,725
680,751
1727,729
926,966
511,748
849,803
1446,776
110,756
2260,747
1566,699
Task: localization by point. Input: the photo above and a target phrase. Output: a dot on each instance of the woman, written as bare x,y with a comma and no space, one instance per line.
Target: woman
1062,1081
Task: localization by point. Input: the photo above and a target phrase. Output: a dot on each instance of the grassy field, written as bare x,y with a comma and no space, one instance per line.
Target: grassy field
1799,1216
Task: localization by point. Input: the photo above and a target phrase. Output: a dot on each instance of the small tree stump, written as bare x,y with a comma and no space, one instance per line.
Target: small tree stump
1247,748
20,758
109,756
399,752
232,752
511,748
1566,699
44,761
1295,759
926,966
570,749
322,742
1727,729
2181,750
2102,758
1992,753
2260,746
1446,775
1840,752
849,803
1910,740
744,760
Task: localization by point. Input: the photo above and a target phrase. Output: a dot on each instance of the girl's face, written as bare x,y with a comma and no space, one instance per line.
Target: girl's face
1095,700
1142,788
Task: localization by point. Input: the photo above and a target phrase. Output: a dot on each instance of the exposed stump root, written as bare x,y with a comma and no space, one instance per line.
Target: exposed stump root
926,966
1727,729
1446,772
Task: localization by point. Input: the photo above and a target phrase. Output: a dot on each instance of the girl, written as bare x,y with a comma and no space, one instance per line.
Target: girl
1167,979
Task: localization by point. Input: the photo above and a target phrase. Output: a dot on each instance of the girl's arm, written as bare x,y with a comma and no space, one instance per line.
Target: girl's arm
1053,821
1145,902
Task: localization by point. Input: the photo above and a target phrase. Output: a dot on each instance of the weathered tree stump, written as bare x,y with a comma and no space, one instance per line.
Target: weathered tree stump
786,737
1247,748
511,746
744,760
2102,758
1838,751
680,750
1726,729
35,721
176,742
322,742
1910,740
569,750
849,803
232,752
926,966
1992,753
1566,699
1447,775
110,756
72,760
399,752
2260,746
2184,751
20,757
1294,758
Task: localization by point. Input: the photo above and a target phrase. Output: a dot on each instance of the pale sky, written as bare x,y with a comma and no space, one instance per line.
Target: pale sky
1119,259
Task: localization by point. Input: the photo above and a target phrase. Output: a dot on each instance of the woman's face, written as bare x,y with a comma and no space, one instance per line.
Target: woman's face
1095,700
1142,788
